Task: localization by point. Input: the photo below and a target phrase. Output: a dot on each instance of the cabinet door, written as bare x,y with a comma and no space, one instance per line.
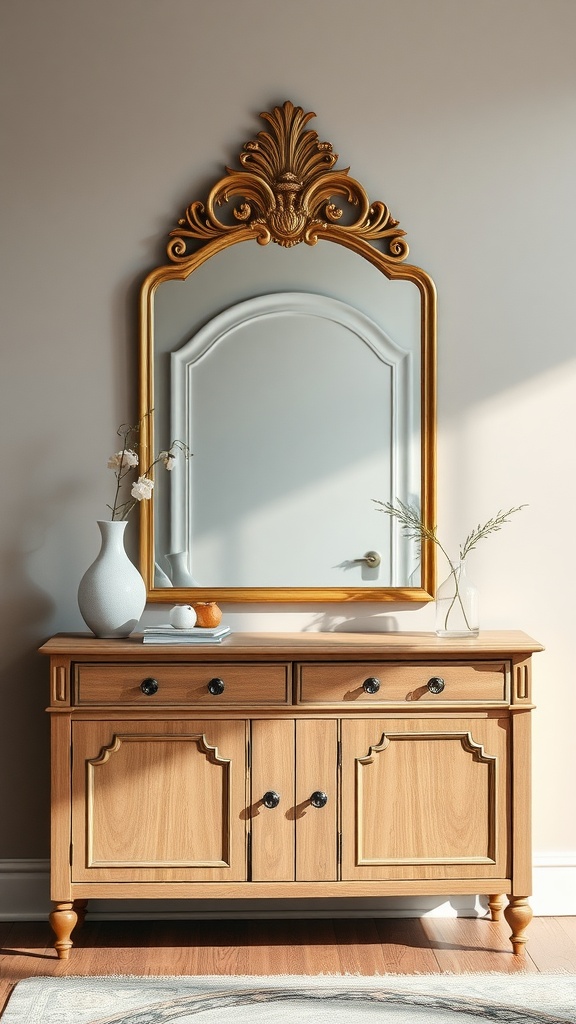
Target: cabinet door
273,755
316,826
425,798
294,840
159,801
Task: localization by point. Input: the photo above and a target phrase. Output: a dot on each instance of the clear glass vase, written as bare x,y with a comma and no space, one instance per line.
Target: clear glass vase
457,605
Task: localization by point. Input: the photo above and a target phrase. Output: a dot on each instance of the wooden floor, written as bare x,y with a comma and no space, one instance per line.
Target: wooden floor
362,946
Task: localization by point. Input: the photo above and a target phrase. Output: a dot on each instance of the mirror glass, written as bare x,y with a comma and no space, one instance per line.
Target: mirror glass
301,376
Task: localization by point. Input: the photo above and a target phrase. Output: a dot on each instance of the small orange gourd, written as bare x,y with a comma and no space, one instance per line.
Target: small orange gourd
208,614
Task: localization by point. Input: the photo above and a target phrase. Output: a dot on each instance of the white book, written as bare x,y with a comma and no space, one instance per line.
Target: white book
190,641
170,635
194,632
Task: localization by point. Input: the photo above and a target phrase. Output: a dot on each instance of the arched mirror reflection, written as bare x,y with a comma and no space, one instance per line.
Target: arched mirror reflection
302,377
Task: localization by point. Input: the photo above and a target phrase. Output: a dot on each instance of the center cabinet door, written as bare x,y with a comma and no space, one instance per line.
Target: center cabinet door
294,840
159,801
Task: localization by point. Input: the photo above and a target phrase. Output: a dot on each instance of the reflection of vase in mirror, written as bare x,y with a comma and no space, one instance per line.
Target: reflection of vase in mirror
179,571
160,577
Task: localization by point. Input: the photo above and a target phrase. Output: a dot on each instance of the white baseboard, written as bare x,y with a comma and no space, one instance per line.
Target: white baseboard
554,885
25,889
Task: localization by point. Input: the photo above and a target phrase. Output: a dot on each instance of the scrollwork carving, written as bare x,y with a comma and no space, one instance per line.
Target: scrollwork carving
211,753
285,194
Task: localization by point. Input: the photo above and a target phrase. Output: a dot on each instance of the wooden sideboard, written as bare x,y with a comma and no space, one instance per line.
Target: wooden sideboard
291,765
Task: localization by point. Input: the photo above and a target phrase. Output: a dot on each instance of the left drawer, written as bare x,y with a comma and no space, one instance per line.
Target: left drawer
200,683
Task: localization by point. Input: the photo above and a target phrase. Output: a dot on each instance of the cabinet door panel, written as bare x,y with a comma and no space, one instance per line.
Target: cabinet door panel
316,827
427,798
273,752
159,800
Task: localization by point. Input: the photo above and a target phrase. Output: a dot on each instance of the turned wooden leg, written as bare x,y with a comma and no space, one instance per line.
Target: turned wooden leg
80,907
518,914
496,904
63,919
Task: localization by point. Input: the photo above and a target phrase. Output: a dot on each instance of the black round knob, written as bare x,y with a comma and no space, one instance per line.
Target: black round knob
271,799
216,686
371,685
319,799
436,684
149,687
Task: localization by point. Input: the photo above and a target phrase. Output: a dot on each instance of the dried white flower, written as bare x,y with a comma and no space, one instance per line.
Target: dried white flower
142,489
125,459
169,460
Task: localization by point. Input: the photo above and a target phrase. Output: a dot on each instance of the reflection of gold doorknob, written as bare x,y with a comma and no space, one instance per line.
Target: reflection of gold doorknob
372,558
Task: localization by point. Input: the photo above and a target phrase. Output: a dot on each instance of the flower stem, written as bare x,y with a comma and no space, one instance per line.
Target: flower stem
119,477
457,595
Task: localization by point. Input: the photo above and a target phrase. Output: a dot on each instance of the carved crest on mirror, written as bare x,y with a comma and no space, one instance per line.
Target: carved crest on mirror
287,187
362,337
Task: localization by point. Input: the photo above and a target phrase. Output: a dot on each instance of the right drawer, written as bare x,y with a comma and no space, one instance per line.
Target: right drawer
379,683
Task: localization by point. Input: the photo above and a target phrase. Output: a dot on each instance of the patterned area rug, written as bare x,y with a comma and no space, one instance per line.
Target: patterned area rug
391,999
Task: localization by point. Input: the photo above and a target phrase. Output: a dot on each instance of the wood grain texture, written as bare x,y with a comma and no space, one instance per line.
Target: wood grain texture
343,683
425,796
182,684
522,802
465,946
316,827
159,799
273,828
247,947
291,645
429,800
553,943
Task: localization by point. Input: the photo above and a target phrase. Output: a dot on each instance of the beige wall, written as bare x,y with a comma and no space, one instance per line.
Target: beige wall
460,115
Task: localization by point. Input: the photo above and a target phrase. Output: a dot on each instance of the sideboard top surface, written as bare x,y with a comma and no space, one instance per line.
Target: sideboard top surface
299,645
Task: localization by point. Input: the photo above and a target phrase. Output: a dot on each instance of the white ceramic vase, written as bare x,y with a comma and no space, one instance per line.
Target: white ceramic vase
112,593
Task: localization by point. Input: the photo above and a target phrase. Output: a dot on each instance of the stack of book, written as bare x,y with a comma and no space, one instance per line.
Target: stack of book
197,635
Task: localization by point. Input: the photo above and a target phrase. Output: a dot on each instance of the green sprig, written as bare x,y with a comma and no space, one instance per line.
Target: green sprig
415,529
483,531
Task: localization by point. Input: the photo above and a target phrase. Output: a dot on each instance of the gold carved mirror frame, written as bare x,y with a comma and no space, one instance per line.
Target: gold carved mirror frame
285,193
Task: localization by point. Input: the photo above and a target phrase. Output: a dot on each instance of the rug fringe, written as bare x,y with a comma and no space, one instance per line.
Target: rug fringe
252,978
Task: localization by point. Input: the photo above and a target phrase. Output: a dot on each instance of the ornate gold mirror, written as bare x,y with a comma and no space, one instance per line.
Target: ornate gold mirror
302,378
